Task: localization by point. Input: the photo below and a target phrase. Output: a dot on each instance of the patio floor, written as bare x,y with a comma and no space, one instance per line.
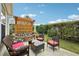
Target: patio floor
48,52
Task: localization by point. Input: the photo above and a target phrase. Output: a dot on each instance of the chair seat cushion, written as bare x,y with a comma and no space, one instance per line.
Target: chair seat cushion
18,45
52,42
39,38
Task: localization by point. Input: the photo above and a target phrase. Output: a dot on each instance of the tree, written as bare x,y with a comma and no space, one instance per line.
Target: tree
42,29
52,32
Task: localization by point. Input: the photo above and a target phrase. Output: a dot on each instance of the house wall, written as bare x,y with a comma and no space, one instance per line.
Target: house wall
6,10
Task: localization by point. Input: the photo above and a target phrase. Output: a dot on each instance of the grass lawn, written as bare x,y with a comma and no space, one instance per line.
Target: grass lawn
74,47
71,46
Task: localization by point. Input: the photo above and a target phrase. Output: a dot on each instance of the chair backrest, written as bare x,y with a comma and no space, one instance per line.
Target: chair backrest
7,41
56,38
41,35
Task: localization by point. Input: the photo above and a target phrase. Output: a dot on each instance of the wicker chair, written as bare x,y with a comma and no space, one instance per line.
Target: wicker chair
20,50
40,37
53,42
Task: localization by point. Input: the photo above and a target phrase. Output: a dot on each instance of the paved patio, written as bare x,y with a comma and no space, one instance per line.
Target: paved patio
48,52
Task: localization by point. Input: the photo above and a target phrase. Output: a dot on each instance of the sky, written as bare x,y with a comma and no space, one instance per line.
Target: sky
44,13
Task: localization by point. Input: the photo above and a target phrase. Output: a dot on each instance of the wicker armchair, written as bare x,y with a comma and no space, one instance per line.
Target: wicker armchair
13,50
53,42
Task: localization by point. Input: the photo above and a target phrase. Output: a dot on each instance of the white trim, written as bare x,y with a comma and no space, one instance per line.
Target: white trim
2,16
